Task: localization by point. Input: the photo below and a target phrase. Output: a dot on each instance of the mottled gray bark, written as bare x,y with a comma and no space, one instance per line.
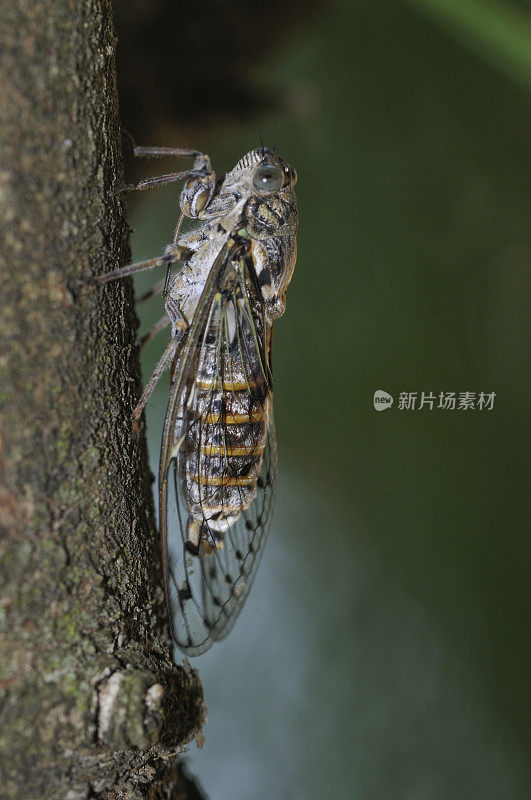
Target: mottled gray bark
91,702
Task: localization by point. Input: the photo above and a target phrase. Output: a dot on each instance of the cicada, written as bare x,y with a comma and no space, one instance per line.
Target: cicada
225,286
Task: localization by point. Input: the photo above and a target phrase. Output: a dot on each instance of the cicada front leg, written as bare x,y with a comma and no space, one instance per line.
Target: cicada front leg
197,192
201,168
200,180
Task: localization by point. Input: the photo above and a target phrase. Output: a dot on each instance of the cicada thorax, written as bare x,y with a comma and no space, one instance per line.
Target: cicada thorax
229,409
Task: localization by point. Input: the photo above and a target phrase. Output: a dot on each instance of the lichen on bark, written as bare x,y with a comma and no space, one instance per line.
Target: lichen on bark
91,701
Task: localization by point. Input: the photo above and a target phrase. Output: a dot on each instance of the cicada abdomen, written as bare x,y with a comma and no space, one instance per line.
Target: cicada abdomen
224,447
225,469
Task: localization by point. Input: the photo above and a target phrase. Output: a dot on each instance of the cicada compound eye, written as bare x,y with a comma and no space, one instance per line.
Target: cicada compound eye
268,178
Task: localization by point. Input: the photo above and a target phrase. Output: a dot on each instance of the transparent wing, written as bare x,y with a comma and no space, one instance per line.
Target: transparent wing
218,462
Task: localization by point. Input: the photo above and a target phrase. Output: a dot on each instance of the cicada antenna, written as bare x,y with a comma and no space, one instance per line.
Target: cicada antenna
276,137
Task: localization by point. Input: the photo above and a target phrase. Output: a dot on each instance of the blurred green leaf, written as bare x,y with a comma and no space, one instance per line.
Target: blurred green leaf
500,32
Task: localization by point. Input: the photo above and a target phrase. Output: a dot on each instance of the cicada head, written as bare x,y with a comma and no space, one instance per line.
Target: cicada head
268,182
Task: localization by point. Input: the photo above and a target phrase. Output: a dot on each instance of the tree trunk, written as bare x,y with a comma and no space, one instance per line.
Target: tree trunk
92,704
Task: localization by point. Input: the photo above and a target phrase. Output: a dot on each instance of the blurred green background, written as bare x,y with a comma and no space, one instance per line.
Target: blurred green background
383,652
